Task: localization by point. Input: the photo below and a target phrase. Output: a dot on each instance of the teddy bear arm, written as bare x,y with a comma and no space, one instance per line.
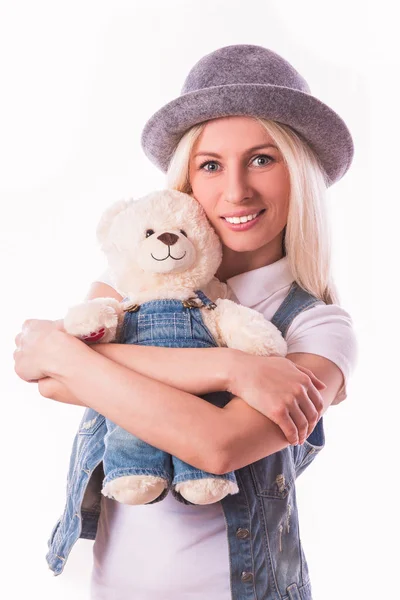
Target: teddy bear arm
246,329
96,320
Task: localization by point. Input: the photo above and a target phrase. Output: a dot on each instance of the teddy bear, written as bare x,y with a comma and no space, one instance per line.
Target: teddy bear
163,253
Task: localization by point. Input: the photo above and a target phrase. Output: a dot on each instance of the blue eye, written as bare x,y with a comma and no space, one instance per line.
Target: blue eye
208,162
263,156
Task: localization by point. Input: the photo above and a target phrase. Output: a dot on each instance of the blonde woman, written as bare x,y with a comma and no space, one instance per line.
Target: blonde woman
257,150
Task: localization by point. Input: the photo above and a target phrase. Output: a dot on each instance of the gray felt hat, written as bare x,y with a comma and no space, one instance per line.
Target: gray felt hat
250,80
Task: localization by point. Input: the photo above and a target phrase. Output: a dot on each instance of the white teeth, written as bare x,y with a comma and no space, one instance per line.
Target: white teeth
241,219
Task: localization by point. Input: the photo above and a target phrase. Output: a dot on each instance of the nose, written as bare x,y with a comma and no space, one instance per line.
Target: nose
169,239
236,186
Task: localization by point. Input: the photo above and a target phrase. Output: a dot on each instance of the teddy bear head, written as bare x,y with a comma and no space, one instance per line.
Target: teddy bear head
159,246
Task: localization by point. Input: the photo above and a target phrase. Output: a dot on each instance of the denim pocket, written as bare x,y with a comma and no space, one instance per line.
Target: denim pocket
167,327
274,475
91,421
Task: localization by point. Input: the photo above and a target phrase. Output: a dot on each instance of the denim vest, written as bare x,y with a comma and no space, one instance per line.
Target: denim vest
267,561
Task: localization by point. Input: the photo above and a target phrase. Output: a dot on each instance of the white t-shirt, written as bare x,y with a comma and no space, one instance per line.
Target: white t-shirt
174,551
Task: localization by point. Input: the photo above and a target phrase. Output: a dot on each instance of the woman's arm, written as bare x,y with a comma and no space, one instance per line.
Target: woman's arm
197,371
249,437
172,420
271,380
98,289
212,439
194,370
55,390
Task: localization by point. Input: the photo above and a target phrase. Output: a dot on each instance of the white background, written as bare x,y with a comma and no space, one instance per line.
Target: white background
78,81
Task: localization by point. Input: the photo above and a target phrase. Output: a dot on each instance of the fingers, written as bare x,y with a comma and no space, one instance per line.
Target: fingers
315,398
311,392
311,416
311,405
298,422
26,324
289,427
317,382
305,408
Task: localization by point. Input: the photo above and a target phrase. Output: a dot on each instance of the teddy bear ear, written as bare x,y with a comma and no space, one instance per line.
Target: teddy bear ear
106,220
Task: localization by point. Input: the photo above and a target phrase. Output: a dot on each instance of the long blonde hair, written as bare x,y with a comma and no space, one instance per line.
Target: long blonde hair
307,235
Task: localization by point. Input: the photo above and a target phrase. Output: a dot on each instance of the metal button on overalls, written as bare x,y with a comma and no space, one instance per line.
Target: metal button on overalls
242,534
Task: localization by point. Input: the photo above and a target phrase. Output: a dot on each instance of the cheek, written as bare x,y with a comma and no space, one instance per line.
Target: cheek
283,205
205,198
279,211
285,188
280,198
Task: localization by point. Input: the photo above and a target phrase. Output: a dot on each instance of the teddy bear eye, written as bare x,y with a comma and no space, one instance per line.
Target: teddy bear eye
183,232
149,232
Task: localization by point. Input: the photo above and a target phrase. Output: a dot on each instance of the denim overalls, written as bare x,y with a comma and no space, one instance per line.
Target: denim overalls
266,555
174,324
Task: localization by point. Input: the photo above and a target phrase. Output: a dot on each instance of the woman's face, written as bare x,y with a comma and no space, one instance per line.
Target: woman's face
236,172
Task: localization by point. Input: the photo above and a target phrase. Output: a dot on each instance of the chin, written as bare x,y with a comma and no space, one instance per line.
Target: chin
243,245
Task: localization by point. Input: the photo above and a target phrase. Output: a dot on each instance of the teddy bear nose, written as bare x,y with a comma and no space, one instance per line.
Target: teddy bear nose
168,238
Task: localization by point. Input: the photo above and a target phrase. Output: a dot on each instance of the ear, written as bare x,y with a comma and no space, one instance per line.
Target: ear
104,226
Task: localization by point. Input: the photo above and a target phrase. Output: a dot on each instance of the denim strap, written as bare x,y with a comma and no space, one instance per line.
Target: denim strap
209,303
295,302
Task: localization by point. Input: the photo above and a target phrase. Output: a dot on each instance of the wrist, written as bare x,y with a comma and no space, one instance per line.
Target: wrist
234,364
61,350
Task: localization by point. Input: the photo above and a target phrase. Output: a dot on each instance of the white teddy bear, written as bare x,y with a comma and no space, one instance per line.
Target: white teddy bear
163,253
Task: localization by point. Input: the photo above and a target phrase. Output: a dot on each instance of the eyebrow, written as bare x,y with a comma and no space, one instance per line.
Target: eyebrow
260,147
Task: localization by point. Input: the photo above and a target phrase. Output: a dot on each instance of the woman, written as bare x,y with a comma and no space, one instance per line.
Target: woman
250,143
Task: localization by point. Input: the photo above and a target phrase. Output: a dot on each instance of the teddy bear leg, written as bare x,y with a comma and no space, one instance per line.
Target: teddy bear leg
207,490
135,489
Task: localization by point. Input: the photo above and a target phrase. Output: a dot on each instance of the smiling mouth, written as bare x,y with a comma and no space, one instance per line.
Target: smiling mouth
169,256
244,219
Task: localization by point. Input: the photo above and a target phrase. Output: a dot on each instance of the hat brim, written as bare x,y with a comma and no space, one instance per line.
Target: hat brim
323,129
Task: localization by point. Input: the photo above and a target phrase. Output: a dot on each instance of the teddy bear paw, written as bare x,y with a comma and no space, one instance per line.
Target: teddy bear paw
206,491
135,489
92,321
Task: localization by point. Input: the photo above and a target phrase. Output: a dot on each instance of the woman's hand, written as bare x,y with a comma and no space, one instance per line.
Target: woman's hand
37,345
282,391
